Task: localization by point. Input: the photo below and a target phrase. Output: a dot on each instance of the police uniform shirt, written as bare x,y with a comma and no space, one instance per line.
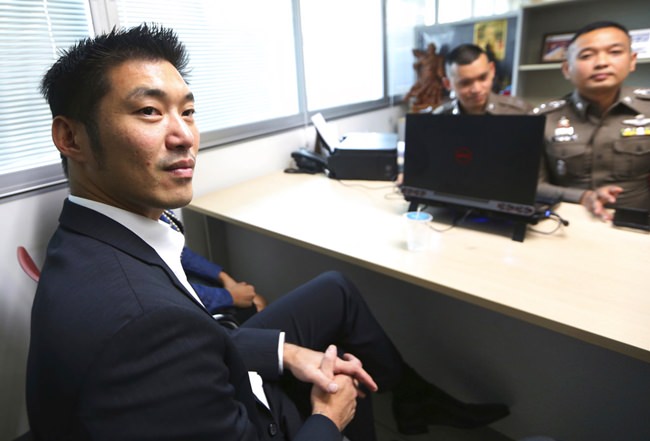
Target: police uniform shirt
496,105
586,151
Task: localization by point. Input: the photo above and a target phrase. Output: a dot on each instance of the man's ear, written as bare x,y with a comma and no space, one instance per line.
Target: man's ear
633,62
70,138
446,83
565,70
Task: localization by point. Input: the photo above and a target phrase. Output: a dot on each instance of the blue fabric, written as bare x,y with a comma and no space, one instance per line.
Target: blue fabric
196,265
215,298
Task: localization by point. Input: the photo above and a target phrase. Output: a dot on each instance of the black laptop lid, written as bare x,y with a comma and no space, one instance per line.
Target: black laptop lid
489,161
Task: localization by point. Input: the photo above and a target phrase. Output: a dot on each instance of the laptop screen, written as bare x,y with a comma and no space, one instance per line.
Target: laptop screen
488,162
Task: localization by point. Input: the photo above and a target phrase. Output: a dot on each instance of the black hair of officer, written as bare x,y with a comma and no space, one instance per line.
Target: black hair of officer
464,54
598,25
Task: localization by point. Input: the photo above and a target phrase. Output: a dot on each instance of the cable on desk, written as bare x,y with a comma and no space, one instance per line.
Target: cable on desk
396,194
364,186
455,222
551,215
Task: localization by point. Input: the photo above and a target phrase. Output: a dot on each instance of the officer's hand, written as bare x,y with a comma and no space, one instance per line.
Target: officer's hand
259,302
242,293
596,200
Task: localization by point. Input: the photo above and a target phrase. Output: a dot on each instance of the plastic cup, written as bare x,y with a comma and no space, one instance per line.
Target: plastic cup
418,232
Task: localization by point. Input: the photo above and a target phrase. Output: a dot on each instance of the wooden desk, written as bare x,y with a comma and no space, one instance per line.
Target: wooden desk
589,280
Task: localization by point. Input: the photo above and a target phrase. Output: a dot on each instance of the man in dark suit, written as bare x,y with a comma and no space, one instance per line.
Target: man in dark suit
123,348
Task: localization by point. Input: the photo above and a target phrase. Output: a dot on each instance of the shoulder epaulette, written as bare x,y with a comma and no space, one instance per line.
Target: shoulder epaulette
549,107
642,93
446,107
518,104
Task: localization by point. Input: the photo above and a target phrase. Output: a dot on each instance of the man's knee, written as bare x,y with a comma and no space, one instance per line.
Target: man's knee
340,282
335,277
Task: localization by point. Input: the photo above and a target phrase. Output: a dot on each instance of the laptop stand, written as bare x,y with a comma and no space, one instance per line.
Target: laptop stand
519,223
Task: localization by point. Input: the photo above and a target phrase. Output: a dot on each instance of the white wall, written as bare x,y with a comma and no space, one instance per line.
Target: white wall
31,220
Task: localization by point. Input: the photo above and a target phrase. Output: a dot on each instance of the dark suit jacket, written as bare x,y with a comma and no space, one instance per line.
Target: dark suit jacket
121,351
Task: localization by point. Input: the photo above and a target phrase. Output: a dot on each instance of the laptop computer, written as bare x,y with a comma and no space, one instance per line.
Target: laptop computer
487,162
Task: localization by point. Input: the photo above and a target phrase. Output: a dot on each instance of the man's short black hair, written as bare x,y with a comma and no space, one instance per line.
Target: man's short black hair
598,25
464,54
78,80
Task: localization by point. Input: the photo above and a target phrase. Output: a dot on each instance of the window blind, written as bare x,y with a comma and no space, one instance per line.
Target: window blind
31,34
242,55
248,61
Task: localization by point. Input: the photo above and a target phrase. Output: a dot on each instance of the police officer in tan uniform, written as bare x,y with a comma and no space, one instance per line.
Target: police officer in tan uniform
597,149
469,76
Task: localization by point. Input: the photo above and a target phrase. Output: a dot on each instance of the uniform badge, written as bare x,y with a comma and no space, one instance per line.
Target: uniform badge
638,121
564,132
639,126
560,167
642,93
550,106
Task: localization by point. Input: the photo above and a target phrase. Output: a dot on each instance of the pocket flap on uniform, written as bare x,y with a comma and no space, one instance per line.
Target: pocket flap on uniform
565,150
639,146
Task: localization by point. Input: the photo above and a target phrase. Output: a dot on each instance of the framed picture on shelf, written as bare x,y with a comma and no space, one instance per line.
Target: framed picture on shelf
554,47
641,43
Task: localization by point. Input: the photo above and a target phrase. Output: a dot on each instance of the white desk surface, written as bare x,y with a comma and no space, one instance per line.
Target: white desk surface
589,280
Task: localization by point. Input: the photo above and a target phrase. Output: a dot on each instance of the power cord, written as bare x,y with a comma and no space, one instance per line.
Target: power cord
551,215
